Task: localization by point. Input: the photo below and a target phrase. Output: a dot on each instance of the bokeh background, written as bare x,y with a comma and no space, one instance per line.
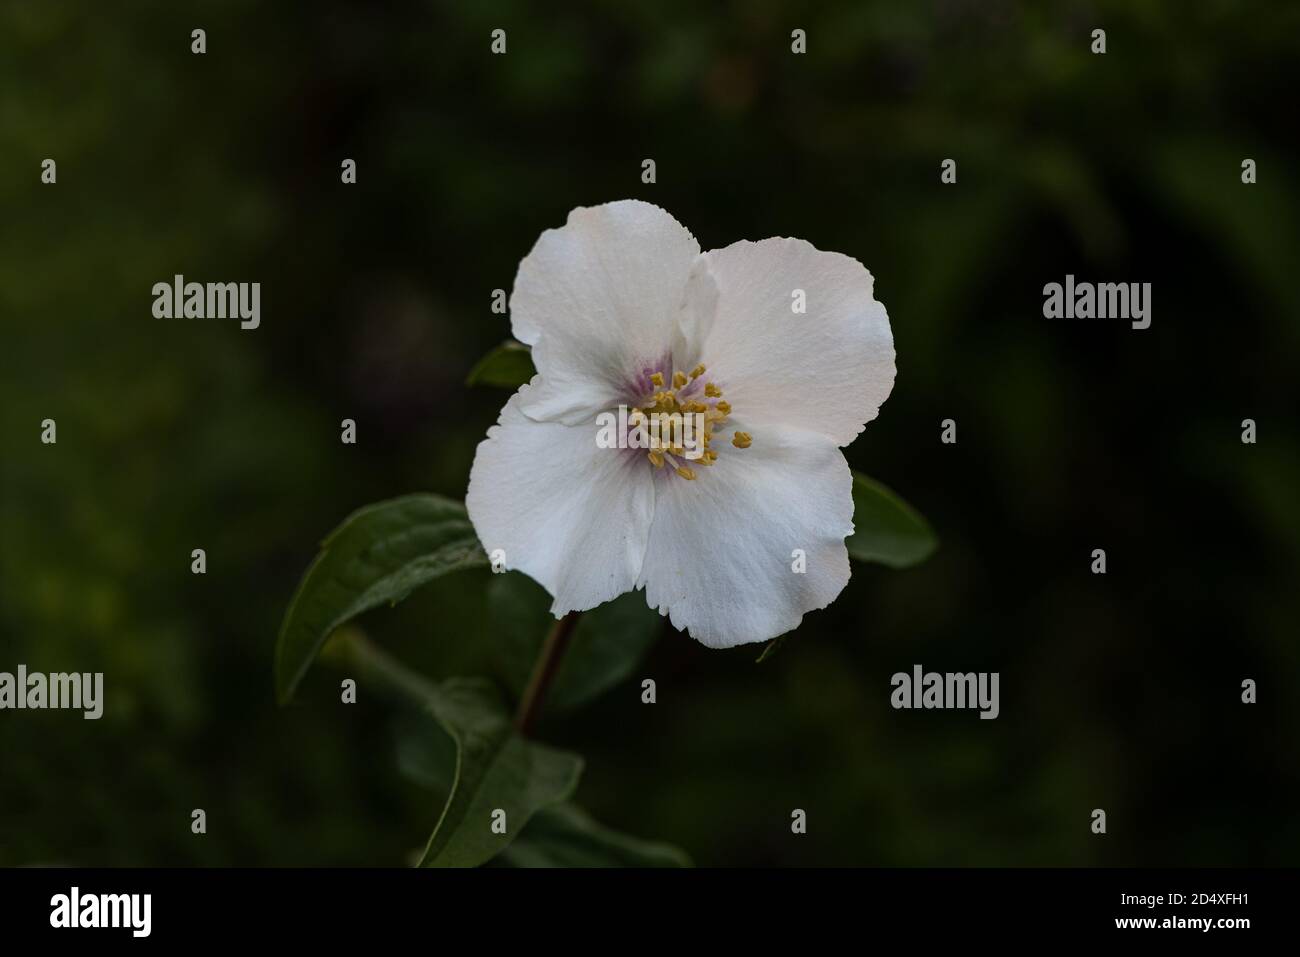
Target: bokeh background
1120,692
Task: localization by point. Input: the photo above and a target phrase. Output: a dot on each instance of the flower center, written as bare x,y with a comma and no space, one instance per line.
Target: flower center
679,401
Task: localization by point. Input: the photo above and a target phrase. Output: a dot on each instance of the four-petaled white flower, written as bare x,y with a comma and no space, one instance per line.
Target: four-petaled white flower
620,307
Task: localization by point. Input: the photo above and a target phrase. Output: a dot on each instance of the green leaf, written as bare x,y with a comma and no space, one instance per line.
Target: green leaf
509,364
887,529
607,644
496,770
379,554
426,755
566,836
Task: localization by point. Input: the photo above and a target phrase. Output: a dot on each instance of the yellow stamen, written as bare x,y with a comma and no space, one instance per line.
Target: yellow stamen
669,440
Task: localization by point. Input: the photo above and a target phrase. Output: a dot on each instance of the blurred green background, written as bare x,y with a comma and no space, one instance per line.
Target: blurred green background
1120,692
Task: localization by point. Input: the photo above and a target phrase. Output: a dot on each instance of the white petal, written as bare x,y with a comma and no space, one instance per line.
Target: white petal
827,369
721,551
598,300
573,516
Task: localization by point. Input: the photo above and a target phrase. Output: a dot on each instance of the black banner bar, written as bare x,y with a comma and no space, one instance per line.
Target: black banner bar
101,907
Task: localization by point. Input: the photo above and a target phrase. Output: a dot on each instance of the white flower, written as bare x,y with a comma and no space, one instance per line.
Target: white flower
621,308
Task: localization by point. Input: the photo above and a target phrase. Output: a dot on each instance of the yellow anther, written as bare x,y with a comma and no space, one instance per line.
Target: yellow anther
666,443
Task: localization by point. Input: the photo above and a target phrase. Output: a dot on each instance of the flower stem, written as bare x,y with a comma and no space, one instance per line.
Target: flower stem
548,663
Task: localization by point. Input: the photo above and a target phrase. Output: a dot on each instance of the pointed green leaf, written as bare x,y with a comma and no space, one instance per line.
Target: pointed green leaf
378,555
491,767
498,772
887,529
509,364
566,836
